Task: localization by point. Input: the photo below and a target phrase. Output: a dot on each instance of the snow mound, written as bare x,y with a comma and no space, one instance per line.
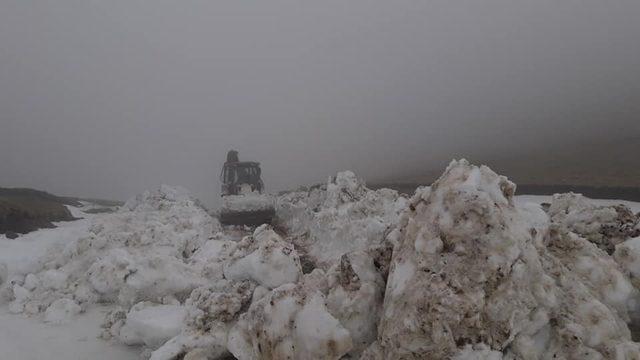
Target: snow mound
346,217
605,226
471,268
138,254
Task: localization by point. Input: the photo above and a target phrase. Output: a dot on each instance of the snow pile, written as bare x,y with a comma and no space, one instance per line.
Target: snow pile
605,226
471,276
459,271
137,254
346,218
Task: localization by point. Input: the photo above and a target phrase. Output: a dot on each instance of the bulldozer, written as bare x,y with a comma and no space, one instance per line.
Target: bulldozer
243,200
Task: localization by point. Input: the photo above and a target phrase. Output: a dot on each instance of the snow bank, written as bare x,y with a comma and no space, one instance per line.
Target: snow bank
139,253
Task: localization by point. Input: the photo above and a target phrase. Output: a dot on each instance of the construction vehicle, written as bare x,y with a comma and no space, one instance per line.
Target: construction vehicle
243,200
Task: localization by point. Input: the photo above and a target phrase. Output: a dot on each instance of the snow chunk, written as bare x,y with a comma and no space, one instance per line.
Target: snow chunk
292,322
62,311
264,258
356,290
152,325
130,276
211,311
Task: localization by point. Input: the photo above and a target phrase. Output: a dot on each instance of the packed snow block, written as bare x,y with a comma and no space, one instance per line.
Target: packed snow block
292,322
356,290
264,258
129,276
209,259
62,311
347,217
151,324
471,268
211,311
605,226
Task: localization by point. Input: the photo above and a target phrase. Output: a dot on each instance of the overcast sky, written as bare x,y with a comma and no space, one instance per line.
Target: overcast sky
108,98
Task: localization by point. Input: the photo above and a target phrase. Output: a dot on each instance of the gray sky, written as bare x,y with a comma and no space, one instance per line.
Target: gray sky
108,98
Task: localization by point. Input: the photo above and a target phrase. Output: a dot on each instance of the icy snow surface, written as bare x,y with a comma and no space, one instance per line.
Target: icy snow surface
462,270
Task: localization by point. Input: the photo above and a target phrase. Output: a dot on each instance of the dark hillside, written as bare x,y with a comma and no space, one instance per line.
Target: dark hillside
25,210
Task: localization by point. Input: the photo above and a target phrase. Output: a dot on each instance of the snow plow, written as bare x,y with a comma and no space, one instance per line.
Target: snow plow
243,201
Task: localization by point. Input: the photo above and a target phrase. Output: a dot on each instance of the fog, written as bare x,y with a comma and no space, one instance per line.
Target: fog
108,98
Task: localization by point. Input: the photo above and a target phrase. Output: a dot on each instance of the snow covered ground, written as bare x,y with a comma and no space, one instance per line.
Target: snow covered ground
347,271
22,254
29,338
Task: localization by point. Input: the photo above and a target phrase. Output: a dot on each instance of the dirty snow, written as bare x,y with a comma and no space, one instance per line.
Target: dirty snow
462,270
